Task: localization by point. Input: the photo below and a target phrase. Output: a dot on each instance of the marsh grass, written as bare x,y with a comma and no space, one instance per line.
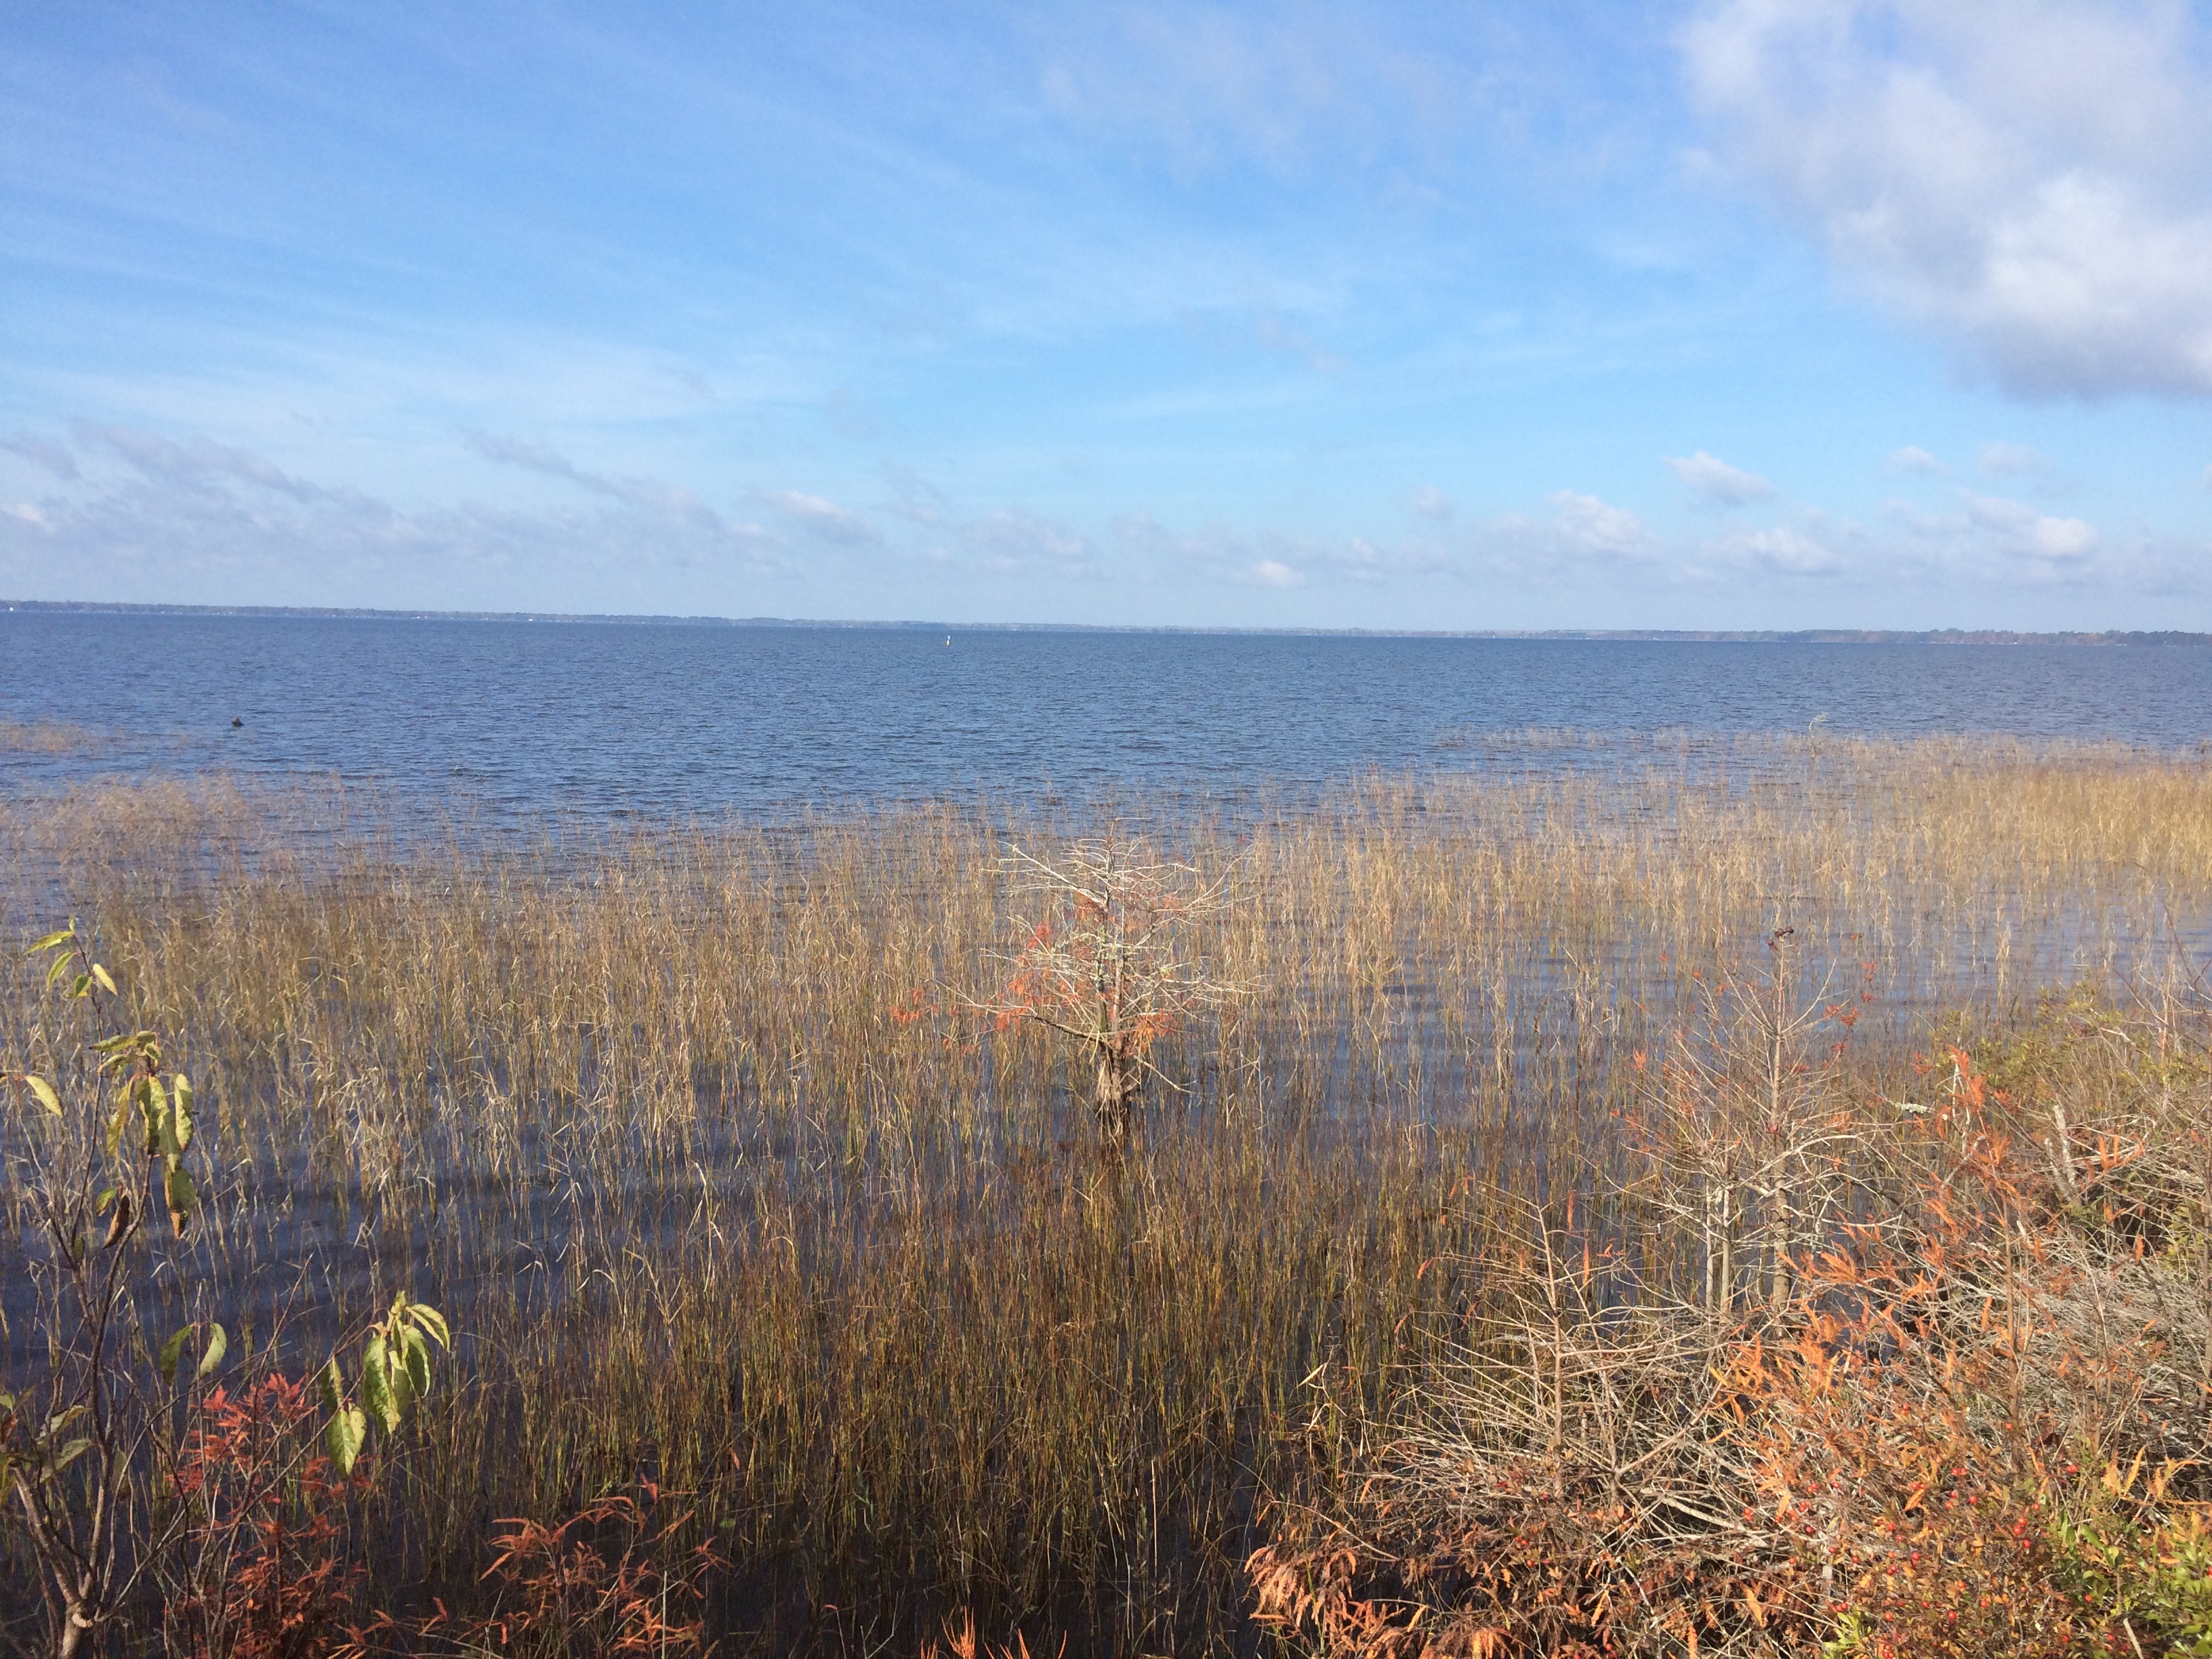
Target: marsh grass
49,737
694,1133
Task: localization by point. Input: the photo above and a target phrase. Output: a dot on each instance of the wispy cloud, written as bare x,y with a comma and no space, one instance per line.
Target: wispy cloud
1011,540
1277,335
53,457
536,458
1717,483
2000,460
1210,86
199,463
819,516
144,515
1911,458
1780,549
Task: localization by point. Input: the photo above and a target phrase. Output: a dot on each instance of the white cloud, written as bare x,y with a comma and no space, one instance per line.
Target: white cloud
144,516
1993,538
1582,527
1721,485
2014,460
824,518
1590,526
1787,551
536,458
1016,540
2027,179
2016,528
1431,502
1270,573
1911,458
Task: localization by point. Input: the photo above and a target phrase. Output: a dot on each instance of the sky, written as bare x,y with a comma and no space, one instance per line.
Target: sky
1555,314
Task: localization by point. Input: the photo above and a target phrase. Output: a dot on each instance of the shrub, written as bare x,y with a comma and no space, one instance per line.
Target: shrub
1976,1423
259,1573
112,1500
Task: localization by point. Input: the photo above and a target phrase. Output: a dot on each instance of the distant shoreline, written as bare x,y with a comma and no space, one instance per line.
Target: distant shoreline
1715,635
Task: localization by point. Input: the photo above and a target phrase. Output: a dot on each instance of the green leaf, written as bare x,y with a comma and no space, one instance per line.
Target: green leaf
347,1434
218,1345
181,1114
62,936
79,986
45,1091
417,1368
107,983
68,1455
431,1321
61,965
170,1351
118,1124
59,1421
154,1106
333,1381
376,1384
176,1187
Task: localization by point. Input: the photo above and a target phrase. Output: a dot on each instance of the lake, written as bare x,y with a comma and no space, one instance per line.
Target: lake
511,719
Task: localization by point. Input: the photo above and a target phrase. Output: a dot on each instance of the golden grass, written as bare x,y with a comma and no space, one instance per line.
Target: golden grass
634,1109
49,738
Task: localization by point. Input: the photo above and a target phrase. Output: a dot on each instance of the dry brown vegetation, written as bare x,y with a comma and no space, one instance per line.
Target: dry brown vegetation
695,1136
49,738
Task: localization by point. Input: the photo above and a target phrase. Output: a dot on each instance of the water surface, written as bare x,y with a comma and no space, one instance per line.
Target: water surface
515,719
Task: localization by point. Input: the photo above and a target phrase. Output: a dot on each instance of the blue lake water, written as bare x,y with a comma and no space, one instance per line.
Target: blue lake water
514,718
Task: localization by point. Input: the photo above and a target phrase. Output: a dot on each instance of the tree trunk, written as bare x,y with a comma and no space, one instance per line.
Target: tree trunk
1114,1107
76,1633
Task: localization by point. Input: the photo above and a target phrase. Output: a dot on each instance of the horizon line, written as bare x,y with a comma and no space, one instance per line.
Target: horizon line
1686,635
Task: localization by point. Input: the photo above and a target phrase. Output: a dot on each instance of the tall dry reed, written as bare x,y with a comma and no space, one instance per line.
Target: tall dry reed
691,1133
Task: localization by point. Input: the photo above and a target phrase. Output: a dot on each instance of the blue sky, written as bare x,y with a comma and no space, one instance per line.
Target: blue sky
1745,313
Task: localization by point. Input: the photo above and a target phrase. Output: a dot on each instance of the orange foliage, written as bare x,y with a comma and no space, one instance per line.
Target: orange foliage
262,1577
1910,1449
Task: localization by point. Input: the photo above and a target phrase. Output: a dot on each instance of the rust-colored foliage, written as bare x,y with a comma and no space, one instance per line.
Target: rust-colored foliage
1923,1423
265,1571
1969,1426
961,1642
595,1584
1109,965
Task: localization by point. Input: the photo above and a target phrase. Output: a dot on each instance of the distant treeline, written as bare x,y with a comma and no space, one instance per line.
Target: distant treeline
1724,636
1889,637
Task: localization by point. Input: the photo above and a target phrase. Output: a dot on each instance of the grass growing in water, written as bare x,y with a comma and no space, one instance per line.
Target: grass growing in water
691,1134
49,738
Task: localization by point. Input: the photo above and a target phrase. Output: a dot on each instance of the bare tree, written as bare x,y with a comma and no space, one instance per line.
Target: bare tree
1744,1149
1108,960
